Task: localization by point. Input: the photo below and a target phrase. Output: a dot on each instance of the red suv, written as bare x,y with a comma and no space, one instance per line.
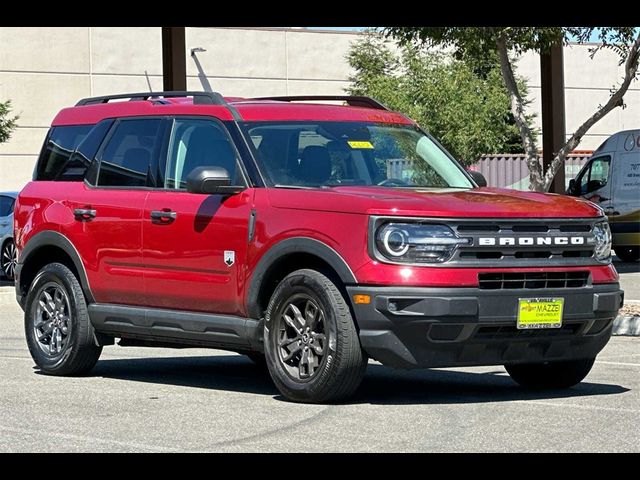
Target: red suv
305,235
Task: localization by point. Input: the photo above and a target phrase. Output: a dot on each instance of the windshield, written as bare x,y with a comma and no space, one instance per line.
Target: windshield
331,154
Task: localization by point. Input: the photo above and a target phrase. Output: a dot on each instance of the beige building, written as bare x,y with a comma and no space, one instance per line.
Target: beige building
45,69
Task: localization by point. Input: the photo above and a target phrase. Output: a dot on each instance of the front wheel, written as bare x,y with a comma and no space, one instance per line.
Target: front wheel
311,344
628,254
550,375
57,326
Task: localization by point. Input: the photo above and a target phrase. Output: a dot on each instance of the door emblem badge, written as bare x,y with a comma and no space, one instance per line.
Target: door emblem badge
229,257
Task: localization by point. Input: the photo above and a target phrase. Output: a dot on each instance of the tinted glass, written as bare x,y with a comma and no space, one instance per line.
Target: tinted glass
75,168
59,146
6,206
127,158
198,143
333,154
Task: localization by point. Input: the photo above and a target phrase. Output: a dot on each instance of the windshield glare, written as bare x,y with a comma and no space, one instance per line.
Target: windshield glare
331,154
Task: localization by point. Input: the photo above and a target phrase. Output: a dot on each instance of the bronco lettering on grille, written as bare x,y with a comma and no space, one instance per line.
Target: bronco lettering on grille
530,241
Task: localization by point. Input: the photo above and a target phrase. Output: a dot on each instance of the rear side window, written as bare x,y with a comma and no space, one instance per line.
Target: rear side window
80,160
60,144
6,205
130,152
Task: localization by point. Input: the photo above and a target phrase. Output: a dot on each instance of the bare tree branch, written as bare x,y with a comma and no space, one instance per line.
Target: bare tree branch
616,100
518,111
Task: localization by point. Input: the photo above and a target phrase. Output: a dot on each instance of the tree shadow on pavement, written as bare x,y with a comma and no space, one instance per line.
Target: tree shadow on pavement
381,385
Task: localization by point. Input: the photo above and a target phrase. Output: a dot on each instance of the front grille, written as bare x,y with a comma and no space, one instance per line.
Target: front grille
532,280
509,332
553,242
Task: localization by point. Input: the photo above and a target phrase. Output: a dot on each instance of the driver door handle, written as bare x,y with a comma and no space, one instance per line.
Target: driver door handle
163,217
84,214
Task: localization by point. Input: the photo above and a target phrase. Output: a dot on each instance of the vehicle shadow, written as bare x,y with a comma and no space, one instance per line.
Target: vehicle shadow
6,283
381,385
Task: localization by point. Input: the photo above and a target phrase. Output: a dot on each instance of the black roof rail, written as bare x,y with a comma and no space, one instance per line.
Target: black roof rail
351,100
199,98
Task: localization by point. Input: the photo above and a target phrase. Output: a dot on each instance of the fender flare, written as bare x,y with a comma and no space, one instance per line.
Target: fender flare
286,247
51,238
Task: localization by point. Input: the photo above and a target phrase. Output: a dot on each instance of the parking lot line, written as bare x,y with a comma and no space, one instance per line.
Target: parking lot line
619,363
85,438
577,406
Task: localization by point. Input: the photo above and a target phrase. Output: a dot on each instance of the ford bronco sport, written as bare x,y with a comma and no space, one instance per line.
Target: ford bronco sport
307,236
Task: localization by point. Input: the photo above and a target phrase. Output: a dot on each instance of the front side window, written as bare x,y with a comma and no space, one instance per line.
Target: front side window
198,143
595,176
127,158
334,154
59,146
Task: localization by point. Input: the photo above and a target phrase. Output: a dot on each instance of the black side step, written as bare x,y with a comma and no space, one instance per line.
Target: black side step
177,327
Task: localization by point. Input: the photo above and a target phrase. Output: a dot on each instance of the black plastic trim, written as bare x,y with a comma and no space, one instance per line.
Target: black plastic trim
294,245
51,238
199,98
351,100
418,327
175,326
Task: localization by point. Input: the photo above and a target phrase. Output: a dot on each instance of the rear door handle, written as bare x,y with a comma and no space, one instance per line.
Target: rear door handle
84,214
163,217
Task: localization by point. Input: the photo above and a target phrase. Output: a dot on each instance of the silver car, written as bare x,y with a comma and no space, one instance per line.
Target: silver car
7,248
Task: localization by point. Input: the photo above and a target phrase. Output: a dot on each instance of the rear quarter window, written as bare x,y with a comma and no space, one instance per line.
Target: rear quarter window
59,145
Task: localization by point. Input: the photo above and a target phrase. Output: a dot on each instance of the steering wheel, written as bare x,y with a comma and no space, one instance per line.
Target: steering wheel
393,182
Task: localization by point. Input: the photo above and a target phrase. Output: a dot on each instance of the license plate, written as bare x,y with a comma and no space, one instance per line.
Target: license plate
540,313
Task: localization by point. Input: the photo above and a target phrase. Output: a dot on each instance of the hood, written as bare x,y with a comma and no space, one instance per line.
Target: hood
478,202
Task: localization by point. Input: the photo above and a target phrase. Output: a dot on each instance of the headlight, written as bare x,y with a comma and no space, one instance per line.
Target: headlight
602,234
417,242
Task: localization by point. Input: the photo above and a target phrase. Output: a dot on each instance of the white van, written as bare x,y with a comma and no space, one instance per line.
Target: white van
611,178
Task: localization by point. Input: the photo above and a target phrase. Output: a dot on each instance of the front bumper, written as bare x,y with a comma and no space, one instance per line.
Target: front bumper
415,327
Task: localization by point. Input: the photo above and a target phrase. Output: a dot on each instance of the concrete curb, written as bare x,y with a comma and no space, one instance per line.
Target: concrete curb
628,325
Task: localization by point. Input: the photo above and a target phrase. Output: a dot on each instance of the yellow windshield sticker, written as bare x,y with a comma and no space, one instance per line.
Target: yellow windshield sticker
360,144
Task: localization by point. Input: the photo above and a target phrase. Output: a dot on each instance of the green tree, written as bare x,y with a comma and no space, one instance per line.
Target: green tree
503,42
462,103
7,123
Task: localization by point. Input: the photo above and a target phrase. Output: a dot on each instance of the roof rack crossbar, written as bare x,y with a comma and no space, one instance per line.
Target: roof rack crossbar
199,98
351,100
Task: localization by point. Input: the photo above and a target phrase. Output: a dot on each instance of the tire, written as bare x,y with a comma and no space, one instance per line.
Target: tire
333,364
628,254
74,352
551,375
8,259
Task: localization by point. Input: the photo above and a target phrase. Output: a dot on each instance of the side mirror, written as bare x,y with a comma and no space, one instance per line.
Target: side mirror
211,180
478,178
572,187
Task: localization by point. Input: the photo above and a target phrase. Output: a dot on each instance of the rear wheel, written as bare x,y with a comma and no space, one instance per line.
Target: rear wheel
628,254
311,344
9,259
551,374
59,334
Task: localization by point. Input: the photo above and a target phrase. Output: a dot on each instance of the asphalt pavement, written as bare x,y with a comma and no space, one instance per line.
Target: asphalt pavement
162,400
